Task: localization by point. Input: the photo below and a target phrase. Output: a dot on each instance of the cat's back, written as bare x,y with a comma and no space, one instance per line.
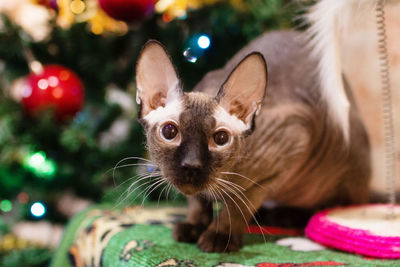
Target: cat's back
291,69
294,139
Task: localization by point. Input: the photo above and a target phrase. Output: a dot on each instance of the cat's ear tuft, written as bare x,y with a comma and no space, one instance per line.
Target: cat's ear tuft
244,90
157,81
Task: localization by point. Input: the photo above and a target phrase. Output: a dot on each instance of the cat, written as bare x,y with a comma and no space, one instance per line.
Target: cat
251,131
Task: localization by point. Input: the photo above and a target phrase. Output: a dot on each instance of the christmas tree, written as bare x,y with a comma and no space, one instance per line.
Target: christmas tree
67,96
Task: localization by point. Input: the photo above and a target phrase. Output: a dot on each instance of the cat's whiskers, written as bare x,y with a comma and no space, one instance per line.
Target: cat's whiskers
128,192
237,205
130,165
136,158
147,188
237,187
229,216
227,187
160,194
149,162
214,196
245,177
231,183
169,189
140,176
156,185
128,180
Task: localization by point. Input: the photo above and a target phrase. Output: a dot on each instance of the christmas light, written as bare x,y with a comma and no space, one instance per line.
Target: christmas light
150,168
203,42
5,205
189,55
77,6
167,18
196,47
53,81
39,164
23,198
37,159
38,209
43,84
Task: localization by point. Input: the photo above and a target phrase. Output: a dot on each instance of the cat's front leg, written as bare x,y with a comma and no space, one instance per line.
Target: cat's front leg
199,216
225,233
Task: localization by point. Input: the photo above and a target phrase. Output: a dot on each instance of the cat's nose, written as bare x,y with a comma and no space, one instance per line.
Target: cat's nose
192,155
192,159
191,163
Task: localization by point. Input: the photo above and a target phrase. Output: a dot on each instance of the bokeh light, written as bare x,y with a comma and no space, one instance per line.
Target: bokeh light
6,205
23,198
204,42
188,54
38,209
38,163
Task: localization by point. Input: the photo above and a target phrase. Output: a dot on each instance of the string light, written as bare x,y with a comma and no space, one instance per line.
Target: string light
36,66
23,198
38,209
6,205
39,164
196,47
43,84
150,168
167,18
203,42
189,55
77,6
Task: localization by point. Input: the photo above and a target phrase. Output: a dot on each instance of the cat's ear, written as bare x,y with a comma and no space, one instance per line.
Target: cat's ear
244,90
157,81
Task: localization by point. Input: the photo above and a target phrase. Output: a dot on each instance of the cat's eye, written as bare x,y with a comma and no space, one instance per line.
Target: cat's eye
221,138
169,131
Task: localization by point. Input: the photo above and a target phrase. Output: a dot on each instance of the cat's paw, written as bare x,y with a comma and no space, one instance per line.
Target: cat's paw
187,232
211,241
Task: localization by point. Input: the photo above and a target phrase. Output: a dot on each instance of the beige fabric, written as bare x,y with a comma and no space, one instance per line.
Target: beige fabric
361,66
375,219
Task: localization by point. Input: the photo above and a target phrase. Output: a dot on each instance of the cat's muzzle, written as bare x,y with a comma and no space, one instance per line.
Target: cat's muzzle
190,180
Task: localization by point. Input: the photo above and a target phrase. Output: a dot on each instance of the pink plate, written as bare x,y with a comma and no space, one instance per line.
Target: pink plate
363,230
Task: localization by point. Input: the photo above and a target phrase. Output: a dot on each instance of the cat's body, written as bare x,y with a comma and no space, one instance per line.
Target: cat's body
294,139
211,144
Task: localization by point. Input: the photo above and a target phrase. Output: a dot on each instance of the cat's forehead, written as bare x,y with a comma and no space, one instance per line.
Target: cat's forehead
196,109
198,104
202,109
187,107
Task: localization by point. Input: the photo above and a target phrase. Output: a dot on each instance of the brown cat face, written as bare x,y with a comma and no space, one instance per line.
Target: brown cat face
192,137
195,142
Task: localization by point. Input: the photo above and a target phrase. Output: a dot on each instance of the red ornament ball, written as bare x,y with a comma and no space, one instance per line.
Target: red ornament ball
47,3
128,10
55,87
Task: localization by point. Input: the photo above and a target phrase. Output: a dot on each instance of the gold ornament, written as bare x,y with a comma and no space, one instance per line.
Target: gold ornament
178,8
101,23
10,242
75,11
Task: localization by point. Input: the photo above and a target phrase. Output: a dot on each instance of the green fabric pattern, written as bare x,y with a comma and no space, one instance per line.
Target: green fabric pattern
151,244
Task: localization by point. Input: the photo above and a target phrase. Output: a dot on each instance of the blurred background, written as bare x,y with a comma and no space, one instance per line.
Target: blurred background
67,100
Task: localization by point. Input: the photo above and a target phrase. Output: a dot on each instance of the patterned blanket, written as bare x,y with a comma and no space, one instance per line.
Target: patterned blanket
142,237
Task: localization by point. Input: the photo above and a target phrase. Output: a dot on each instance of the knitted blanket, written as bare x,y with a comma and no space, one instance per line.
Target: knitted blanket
138,236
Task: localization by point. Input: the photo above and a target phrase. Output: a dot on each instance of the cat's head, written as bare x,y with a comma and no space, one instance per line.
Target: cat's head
192,137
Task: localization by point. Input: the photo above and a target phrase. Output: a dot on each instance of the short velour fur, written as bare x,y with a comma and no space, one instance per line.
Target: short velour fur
245,135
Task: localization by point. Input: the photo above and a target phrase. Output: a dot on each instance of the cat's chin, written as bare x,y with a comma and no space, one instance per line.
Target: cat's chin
188,190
